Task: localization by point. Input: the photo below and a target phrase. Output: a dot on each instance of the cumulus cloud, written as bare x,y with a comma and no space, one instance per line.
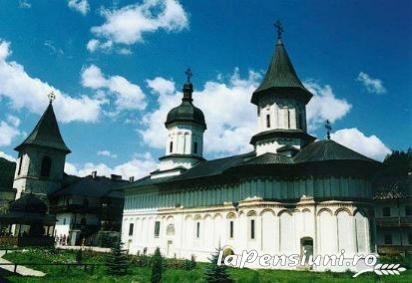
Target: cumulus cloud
6,156
24,91
230,117
370,146
372,85
127,96
106,153
138,166
128,24
324,105
81,6
24,4
9,130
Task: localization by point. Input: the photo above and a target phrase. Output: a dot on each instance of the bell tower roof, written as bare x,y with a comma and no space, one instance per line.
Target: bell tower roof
281,77
46,133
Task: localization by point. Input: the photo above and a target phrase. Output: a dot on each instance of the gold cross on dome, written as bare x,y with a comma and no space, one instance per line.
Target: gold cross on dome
51,96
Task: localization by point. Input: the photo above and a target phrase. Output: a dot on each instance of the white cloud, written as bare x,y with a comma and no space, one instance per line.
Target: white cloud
370,146
324,105
106,153
81,6
52,48
6,156
127,24
9,130
24,4
128,96
23,91
230,117
137,167
372,85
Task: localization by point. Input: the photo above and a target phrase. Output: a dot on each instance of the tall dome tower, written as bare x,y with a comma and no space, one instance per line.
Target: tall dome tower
186,125
281,100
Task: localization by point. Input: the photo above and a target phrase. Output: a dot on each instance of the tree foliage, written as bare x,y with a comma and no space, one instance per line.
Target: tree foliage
117,262
215,273
157,267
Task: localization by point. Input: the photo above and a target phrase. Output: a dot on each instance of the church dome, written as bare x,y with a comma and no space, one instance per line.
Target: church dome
186,111
28,203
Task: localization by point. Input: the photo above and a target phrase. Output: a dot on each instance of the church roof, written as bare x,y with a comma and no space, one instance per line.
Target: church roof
316,154
7,169
328,150
281,77
186,111
46,133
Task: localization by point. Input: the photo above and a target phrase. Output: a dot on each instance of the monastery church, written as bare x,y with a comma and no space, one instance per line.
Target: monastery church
293,194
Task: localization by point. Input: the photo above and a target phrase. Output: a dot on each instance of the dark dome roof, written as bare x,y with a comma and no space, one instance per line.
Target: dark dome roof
186,112
28,203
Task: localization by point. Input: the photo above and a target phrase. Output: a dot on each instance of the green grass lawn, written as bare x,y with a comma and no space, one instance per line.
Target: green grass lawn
171,275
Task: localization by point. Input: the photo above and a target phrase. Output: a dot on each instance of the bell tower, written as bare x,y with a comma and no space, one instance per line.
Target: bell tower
281,101
41,158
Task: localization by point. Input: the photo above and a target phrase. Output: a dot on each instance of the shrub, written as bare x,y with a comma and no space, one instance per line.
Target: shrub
157,267
215,273
117,262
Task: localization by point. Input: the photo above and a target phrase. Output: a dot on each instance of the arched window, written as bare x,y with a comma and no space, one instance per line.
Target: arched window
171,147
195,148
45,166
268,121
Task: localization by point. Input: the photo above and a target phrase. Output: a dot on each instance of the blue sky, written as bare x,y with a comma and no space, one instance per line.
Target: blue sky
118,66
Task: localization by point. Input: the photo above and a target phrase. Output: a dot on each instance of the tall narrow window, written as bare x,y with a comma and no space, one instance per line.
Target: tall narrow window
267,121
252,229
45,167
131,227
20,163
231,229
198,230
157,229
288,118
171,147
195,148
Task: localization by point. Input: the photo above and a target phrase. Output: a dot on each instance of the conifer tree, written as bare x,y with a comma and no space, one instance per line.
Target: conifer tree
215,273
117,262
157,267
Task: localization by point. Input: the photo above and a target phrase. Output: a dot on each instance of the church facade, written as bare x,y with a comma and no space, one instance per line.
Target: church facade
292,194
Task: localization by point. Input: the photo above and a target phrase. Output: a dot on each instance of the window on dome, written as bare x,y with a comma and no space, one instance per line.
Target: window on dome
45,167
195,148
268,120
171,147
20,163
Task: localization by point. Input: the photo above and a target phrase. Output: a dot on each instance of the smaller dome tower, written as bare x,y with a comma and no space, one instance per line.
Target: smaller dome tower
186,125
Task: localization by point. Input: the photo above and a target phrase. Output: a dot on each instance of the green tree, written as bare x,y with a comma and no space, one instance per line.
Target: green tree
215,273
117,262
157,267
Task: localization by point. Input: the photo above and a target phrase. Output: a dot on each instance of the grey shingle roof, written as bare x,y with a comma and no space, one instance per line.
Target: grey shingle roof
46,133
318,152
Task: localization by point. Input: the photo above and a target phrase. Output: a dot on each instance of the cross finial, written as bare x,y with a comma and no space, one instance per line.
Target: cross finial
51,97
328,128
279,28
189,74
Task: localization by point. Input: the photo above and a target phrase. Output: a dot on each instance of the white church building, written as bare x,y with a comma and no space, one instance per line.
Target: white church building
293,194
